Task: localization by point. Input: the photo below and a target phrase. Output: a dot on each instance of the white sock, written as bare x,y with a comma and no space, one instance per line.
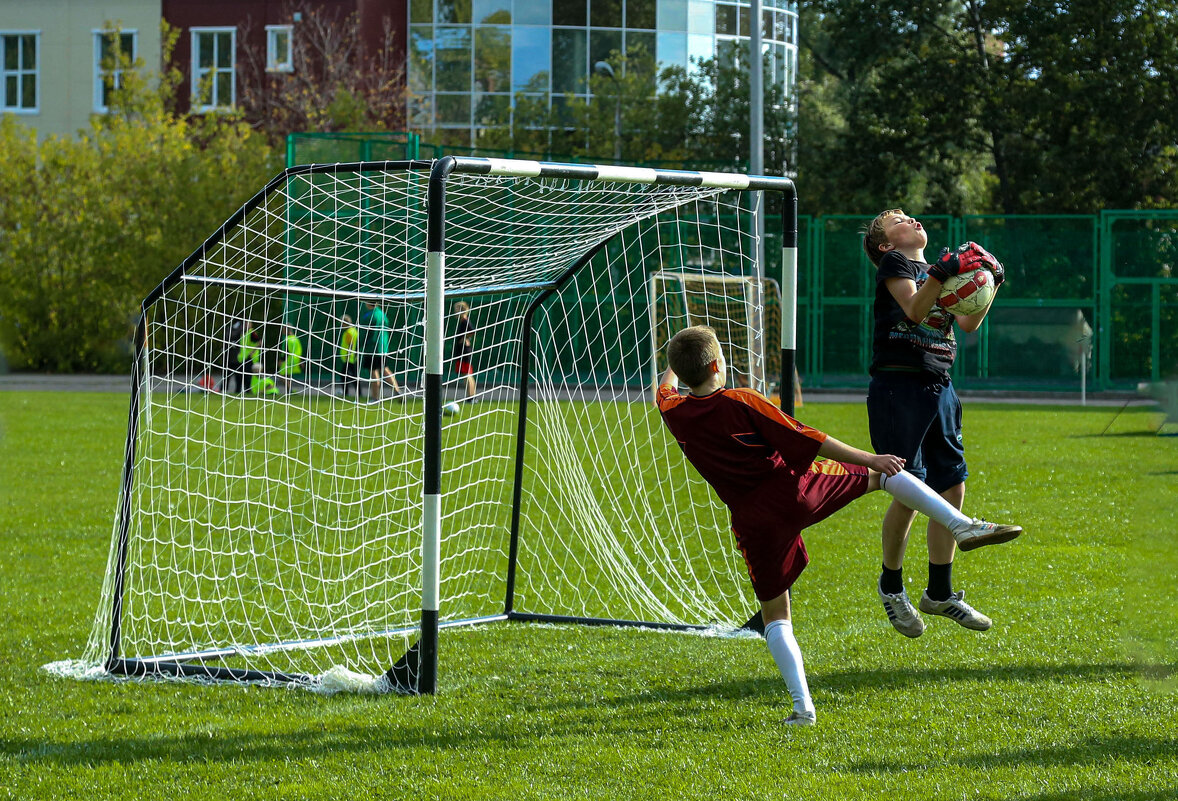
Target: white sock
915,494
779,636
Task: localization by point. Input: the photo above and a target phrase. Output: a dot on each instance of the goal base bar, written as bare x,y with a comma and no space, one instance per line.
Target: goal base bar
136,668
528,617
756,623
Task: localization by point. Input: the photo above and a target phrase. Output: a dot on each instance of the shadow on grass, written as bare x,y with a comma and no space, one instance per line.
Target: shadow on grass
1103,794
626,713
1150,433
852,680
1090,751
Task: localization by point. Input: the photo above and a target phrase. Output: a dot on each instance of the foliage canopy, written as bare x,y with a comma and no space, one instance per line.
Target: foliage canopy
88,225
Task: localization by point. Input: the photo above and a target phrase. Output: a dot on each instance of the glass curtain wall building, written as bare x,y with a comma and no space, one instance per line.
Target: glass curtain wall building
468,58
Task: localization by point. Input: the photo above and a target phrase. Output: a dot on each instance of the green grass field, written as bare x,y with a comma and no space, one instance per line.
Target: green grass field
1072,695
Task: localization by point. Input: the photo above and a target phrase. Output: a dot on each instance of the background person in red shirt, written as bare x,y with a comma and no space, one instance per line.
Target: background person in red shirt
463,350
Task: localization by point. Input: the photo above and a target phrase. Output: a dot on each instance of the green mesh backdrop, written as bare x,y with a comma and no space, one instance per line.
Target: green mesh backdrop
1093,292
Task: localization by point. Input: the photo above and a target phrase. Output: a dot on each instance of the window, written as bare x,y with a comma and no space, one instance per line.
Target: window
20,76
278,48
113,51
533,12
531,59
492,58
452,55
640,14
214,68
570,58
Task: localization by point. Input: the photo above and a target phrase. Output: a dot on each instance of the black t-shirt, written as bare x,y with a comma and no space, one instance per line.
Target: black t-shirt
900,344
461,349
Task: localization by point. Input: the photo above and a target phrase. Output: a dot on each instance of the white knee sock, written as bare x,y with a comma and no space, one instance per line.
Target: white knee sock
779,636
915,494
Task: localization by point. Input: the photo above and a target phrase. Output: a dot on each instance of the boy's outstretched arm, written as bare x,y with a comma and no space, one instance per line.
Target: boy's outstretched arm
972,322
884,463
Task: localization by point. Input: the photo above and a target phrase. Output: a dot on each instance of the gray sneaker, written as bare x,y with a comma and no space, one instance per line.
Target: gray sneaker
801,719
955,608
901,613
982,533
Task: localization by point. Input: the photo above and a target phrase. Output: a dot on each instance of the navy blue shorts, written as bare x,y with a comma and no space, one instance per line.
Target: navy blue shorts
918,417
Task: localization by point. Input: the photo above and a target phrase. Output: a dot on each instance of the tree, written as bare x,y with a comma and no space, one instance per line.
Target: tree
336,84
888,109
1078,103
988,105
88,225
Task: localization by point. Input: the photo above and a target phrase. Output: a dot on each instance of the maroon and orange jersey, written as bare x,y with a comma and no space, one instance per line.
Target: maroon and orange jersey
737,439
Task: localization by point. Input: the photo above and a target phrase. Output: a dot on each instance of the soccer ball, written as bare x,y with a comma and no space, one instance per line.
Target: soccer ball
451,408
967,293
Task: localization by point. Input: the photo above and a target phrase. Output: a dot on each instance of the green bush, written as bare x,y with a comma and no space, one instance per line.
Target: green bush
89,225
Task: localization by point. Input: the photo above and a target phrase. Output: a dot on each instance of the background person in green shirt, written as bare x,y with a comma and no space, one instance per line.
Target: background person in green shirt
375,329
349,358
249,354
291,364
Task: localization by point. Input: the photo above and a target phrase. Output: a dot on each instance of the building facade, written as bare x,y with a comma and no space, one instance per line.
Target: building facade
467,59
218,39
52,55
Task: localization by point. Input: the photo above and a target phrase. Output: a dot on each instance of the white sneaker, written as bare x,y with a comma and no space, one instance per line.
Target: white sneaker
801,719
955,608
902,613
982,533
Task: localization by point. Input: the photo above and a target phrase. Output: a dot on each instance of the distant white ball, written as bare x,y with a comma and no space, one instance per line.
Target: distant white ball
451,408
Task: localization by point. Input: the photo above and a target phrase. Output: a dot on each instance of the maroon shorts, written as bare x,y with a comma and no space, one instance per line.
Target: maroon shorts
768,522
462,367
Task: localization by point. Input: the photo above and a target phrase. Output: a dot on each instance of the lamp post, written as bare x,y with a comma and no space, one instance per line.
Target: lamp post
757,167
604,68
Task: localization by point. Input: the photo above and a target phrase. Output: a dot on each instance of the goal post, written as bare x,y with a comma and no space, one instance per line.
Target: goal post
324,537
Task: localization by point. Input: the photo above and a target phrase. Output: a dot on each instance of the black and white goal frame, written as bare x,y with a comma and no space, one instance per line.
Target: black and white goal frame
416,672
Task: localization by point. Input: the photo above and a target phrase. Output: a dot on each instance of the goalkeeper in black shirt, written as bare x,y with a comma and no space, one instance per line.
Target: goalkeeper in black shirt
913,410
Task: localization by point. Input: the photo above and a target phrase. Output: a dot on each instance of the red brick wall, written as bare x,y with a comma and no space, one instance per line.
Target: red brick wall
251,17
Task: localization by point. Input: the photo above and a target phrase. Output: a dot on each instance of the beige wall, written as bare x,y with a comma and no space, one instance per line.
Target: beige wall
66,57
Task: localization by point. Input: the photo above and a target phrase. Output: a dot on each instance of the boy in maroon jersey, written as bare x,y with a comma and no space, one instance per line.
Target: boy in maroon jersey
761,464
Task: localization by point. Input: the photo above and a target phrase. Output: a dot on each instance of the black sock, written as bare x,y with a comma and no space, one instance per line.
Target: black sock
940,581
892,581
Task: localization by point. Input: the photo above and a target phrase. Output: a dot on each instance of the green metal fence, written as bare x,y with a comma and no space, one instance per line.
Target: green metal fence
1090,299
347,147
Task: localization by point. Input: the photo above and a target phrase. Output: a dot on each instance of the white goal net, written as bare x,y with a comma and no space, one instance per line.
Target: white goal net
271,519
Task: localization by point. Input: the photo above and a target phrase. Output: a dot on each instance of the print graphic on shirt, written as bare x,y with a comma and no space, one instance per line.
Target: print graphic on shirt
934,334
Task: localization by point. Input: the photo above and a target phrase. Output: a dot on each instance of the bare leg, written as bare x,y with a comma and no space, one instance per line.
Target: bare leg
941,544
896,523
776,609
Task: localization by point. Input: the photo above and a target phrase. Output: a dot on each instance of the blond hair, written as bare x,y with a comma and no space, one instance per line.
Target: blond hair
461,307
690,354
875,235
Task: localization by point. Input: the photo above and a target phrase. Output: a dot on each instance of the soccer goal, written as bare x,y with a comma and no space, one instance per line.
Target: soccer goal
328,539
745,311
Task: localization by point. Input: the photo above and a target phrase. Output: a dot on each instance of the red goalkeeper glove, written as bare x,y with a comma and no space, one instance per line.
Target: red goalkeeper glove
964,259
